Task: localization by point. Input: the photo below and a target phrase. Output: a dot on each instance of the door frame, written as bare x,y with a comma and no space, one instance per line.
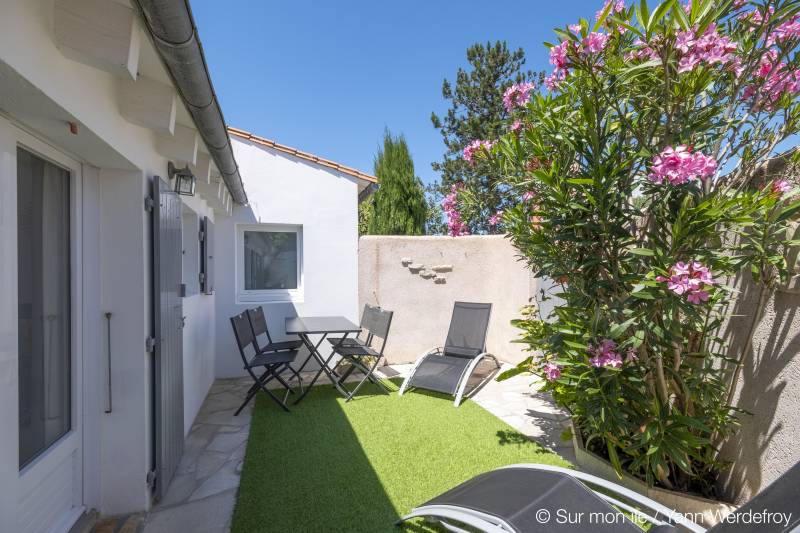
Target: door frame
32,474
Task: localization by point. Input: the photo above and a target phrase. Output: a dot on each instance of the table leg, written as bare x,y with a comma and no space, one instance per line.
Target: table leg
314,352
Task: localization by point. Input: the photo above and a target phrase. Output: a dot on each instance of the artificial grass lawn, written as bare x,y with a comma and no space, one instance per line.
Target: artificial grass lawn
358,466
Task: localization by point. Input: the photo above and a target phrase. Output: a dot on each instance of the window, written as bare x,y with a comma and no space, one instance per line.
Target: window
271,263
45,319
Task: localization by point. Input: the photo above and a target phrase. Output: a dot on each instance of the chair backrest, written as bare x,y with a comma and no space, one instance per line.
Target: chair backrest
244,335
468,325
781,496
365,334
377,322
258,324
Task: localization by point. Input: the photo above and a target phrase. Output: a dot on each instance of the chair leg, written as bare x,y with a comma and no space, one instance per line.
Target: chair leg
367,376
261,384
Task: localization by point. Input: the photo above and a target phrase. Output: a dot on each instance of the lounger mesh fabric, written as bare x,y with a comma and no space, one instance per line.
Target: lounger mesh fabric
781,496
466,336
439,373
466,339
516,495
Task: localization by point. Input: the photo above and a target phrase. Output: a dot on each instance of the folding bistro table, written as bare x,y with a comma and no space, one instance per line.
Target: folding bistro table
320,325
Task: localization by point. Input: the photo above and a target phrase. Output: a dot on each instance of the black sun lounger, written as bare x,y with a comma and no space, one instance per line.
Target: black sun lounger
532,498
448,369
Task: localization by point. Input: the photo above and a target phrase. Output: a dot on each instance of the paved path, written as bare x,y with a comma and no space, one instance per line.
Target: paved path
202,494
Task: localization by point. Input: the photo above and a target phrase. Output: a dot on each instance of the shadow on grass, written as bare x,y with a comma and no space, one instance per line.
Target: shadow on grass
306,471
357,466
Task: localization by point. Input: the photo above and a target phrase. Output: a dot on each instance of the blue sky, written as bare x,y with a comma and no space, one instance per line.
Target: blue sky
328,76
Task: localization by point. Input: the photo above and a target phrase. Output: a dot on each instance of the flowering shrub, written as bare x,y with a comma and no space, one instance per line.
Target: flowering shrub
636,184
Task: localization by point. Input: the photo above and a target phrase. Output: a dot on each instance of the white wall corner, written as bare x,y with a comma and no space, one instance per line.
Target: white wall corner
181,147
102,34
149,103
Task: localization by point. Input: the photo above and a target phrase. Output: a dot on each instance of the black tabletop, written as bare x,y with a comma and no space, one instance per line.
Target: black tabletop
319,324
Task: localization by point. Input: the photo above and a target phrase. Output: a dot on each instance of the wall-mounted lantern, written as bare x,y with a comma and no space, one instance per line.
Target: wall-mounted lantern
185,181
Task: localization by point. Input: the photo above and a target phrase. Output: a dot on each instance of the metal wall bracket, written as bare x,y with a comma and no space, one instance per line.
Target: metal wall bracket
150,344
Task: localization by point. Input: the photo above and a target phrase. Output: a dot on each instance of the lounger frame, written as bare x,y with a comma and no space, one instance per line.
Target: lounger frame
493,524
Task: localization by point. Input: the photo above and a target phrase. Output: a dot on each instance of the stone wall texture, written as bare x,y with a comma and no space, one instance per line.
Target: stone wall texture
419,278
768,442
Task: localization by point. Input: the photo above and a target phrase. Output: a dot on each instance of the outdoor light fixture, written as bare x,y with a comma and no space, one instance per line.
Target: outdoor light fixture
184,179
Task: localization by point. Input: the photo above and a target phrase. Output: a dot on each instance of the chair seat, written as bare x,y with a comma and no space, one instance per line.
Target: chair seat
282,345
517,496
348,341
356,351
272,358
440,373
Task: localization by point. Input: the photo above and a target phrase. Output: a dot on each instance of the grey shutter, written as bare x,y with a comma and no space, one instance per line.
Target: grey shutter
207,257
168,333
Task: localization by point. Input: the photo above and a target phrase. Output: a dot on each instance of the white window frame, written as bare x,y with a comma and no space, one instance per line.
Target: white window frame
269,295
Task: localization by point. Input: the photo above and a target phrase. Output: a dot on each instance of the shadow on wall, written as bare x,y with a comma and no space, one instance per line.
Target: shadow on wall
768,389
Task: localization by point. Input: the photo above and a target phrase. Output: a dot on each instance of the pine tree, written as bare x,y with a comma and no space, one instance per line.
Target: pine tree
399,203
477,112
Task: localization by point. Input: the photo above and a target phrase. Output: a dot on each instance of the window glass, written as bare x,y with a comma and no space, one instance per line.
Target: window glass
270,260
44,323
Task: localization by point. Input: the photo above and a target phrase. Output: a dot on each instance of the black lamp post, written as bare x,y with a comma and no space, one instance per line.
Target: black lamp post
185,181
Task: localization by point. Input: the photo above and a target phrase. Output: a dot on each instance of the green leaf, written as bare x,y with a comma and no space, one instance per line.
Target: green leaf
642,251
643,14
619,329
612,455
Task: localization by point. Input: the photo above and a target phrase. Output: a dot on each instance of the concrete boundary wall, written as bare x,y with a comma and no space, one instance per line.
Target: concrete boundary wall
419,278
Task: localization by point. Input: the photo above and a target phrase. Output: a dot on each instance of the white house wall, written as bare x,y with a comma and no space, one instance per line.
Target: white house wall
285,190
119,159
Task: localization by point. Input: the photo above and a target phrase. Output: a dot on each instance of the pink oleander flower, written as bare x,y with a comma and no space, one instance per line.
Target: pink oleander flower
527,196
517,95
773,80
474,147
618,7
786,31
554,79
693,280
781,187
516,126
558,55
575,28
679,165
644,51
551,371
594,43
709,48
455,226
496,218
631,354
604,354
737,4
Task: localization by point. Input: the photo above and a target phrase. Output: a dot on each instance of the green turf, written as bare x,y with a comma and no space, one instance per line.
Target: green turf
357,466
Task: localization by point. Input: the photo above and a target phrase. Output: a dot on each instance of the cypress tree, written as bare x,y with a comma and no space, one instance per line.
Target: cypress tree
399,203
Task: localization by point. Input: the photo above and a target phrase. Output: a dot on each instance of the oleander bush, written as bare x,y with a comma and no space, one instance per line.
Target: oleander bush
637,186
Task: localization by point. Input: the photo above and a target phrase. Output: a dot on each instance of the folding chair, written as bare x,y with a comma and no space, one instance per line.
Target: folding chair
527,498
259,324
363,338
273,363
376,322
448,369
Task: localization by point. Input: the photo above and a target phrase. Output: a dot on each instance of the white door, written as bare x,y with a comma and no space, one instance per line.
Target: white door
50,488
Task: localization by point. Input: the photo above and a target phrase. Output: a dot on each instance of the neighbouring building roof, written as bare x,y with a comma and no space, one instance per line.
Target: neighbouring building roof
236,132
